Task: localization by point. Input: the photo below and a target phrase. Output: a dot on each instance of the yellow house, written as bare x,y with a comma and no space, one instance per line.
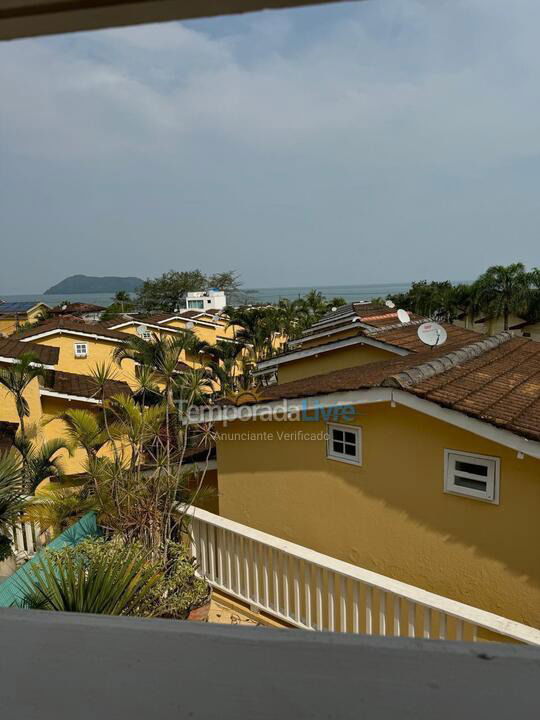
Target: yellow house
82,346
49,396
14,315
354,335
424,468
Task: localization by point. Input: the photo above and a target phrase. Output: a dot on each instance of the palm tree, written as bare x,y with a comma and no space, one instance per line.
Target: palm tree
40,459
223,363
11,498
503,290
121,298
84,429
54,509
16,378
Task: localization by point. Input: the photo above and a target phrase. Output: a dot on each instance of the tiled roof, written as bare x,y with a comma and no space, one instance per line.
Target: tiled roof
406,336
73,308
401,336
12,348
367,315
12,308
66,323
81,385
496,380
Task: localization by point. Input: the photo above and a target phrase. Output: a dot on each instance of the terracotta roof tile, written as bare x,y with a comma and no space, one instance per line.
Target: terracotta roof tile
496,380
75,325
12,348
81,385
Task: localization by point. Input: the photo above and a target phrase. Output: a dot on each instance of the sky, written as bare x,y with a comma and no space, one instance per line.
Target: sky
368,142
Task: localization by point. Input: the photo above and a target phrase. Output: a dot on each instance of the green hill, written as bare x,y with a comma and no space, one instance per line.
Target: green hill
89,284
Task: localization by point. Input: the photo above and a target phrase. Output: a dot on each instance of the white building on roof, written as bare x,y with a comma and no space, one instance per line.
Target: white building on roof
212,299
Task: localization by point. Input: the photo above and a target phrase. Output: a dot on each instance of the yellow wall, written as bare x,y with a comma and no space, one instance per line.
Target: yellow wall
324,339
9,324
204,333
391,515
99,352
334,360
8,411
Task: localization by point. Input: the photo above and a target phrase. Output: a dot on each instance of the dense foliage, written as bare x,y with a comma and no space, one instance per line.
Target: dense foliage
116,578
499,292
164,292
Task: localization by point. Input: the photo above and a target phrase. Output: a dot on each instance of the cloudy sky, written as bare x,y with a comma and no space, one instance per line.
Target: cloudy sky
378,141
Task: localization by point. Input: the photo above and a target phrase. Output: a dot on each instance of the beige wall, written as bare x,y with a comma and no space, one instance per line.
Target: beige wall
391,515
333,360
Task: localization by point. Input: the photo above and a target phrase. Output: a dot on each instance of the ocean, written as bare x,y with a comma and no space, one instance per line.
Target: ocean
349,292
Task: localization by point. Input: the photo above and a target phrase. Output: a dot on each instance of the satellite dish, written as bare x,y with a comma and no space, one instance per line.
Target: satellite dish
432,334
390,304
334,309
190,326
403,316
142,330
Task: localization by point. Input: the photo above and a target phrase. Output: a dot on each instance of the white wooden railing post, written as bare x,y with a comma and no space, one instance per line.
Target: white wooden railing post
235,559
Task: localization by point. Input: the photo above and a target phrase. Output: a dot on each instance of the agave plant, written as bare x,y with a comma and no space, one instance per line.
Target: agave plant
104,585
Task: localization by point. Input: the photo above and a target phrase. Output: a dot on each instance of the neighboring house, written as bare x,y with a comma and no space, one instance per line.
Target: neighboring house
14,315
482,324
82,346
354,335
144,325
85,311
61,391
212,299
54,393
425,468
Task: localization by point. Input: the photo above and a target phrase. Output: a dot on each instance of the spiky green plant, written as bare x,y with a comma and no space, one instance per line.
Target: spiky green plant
103,585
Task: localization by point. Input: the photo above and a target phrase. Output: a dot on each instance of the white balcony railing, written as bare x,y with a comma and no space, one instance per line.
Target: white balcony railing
314,591
26,540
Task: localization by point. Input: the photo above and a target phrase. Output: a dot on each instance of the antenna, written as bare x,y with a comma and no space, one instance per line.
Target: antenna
390,304
403,316
432,334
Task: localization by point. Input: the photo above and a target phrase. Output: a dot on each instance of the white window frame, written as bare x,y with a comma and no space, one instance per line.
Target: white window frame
78,354
144,334
491,494
331,454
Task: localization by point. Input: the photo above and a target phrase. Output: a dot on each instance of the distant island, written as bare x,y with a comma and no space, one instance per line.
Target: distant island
88,284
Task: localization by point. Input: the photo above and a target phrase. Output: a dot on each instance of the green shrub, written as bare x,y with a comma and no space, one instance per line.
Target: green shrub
177,589
5,547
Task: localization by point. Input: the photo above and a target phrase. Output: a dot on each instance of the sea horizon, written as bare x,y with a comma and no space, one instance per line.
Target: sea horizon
248,294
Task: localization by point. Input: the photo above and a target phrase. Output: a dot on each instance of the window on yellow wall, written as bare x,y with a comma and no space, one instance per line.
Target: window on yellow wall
471,475
344,443
80,350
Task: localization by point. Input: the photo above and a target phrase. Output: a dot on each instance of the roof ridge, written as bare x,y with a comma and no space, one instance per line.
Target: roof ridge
419,373
384,328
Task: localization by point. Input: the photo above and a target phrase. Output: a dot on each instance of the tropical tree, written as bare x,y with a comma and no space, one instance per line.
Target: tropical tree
123,299
11,498
503,290
16,378
84,429
54,509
